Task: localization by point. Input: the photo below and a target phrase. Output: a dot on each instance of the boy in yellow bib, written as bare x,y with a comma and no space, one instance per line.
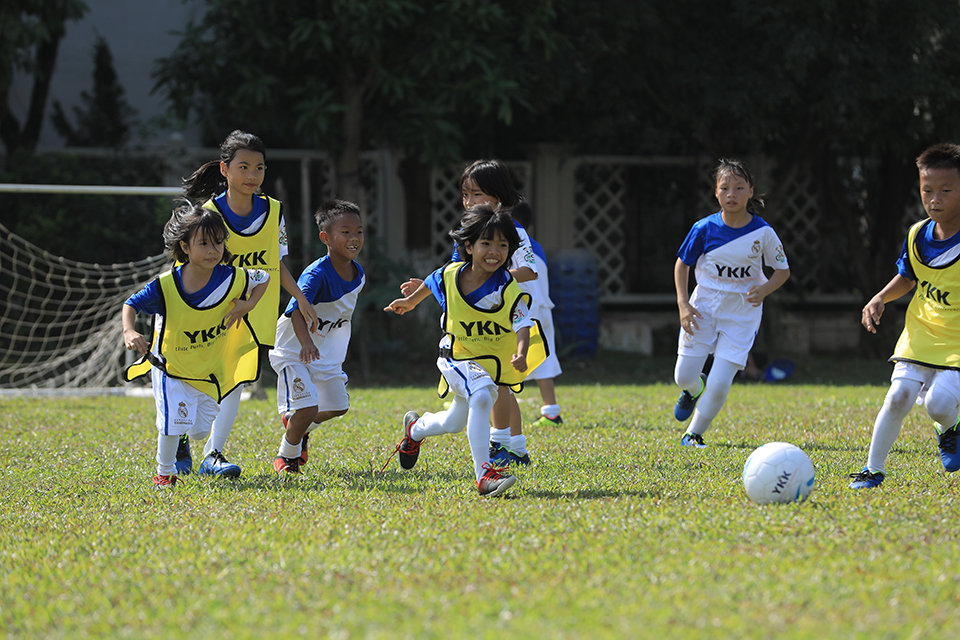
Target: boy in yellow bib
489,339
927,355
203,346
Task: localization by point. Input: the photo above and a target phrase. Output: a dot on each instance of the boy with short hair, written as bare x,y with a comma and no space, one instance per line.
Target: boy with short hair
927,355
311,384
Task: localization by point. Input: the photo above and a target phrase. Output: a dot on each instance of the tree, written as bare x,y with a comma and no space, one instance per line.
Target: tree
105,117
32,31
350,73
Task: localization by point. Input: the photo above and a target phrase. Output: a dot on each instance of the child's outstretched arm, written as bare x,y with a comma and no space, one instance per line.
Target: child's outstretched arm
688,314
896,288
524,274
757,293
519,359
132,340
243,307
288,282
411,286
308,350
401,305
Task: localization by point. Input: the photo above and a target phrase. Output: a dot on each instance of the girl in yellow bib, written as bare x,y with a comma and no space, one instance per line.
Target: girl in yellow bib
489,339
258,240
203,346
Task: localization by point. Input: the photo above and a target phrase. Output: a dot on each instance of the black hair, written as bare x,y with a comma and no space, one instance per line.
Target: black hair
493,178
739,169
945,155
481,222
189,219
331,210
522,212
207,181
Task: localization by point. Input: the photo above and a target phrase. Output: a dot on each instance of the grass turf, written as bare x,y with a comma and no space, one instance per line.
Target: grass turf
614,531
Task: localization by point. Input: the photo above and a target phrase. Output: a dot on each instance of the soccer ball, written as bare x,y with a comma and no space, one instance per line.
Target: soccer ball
778,472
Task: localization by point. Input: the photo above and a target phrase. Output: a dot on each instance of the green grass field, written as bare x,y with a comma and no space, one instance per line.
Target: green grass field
614,532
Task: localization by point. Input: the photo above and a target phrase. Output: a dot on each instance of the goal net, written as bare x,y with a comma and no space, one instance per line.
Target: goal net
60,319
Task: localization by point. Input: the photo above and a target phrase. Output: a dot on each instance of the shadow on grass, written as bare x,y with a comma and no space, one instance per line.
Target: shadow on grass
591,494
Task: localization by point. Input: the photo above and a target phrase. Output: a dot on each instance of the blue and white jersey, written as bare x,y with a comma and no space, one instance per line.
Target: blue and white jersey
489,295
539,289
933,252
251,223
334,299
149,300
731,260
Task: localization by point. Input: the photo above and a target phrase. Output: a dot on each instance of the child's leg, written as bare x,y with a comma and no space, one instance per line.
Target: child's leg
714,394
167,454
452,420
480,403
229,407
500,417
896,405
942,401
291,442
687,372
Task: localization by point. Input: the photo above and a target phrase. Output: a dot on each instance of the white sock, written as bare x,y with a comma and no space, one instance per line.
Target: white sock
167,454
288,450
518,444
478,427
223,423
896,405
550,410
500,436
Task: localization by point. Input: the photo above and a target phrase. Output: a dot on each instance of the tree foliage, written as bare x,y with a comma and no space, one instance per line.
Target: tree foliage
345,74
104,118
32,30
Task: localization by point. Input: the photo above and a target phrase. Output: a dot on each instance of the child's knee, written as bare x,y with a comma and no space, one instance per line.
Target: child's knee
484,399
942,407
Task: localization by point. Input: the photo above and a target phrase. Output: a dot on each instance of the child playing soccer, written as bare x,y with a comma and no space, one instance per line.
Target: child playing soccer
203,346
728,250
489,182
311,384
539,289
927,355
489,340
258,238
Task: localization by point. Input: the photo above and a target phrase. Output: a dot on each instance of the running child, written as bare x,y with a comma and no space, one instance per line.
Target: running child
728,251
489,182
258,238
539,289
927,355
478,292
311,384
203,346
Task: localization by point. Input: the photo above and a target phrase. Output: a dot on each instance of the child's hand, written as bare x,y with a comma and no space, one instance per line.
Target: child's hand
309,353
519,361
756,294
310,317
688,318
240,309
399,306
871,314
411,285
134,341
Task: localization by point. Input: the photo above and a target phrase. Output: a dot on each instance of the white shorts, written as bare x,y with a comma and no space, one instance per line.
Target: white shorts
465,377
300,386
728,328
549,368
181,408
934,381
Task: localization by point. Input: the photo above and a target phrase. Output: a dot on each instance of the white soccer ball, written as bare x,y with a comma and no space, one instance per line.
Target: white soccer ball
778,472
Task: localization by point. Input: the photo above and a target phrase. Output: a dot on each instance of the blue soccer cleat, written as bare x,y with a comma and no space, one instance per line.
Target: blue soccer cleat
693,440
518,459
686,403
499,454
864,479
184,462
948,449
216,465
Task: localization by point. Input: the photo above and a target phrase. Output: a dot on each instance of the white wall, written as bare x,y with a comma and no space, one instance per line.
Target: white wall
138,32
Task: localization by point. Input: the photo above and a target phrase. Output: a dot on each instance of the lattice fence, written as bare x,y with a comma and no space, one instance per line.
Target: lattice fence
599,192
